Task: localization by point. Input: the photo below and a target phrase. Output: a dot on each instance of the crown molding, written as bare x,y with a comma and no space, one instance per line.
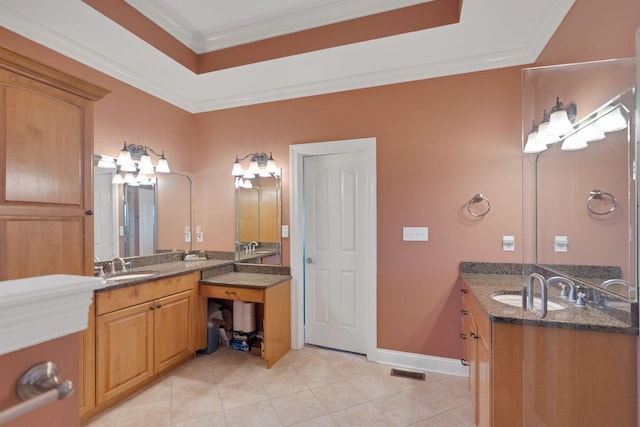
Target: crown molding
518,33
308,15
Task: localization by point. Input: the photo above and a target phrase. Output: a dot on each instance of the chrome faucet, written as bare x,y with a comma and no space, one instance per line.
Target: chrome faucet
253,245
607,283
563,281
121,261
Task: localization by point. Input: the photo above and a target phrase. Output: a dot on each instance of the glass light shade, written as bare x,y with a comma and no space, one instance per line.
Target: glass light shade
106,163
590,133
271,166
543,135
117,179
239,182
532,145
124,158
129,179
253,167
611,121
248,175
247,184
264,173
145,166
559,124
237,169
163,166
574,143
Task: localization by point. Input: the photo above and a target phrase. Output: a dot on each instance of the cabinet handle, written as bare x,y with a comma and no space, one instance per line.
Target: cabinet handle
230,292
159,306
463,336
464,291
464,312
464,362
89,212
474,335
152,308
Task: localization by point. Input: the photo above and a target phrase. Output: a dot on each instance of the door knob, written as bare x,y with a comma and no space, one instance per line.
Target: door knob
310,261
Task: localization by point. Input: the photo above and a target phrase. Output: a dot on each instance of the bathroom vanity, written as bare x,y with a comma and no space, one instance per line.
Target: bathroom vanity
577,367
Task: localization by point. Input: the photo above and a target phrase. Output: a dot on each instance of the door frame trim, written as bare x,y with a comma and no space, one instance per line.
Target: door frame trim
297,153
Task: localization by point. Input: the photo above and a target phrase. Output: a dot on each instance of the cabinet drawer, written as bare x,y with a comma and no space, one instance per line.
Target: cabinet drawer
117,299
233,293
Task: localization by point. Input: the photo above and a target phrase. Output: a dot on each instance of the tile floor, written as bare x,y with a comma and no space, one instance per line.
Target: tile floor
308,387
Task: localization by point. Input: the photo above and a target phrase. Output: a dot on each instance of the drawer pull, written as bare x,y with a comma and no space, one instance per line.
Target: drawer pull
464,362
230,293
464,291
159,306
463,336
464,312
152,308
474,335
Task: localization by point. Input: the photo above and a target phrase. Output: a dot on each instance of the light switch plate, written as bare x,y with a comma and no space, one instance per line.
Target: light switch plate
285,231
415,234
198,229
508,243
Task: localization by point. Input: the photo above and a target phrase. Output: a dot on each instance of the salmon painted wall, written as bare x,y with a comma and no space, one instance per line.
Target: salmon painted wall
64,352
440,141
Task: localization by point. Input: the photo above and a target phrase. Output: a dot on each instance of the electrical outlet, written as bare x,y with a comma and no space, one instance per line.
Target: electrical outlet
199,236
187,237
415,234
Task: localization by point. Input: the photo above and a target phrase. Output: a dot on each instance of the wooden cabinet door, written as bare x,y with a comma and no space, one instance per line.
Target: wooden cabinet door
172,326
483,382
87,377
124,350
45,184
277,322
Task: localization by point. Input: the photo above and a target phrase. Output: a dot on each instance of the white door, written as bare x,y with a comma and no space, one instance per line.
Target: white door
335,218
104,223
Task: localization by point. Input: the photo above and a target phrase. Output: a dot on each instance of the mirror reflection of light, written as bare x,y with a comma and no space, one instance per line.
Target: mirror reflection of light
612,121
574,142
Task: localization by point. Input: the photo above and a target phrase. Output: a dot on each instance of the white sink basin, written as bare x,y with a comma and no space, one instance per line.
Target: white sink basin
129,276
516,301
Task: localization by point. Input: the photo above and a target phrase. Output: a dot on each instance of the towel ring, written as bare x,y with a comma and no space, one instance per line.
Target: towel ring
597,194
478,198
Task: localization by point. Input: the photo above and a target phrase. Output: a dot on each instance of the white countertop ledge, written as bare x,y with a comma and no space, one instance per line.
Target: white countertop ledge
38,309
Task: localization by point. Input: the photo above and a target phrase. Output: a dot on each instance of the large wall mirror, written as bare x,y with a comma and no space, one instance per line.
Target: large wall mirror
258,220
144,219
580,192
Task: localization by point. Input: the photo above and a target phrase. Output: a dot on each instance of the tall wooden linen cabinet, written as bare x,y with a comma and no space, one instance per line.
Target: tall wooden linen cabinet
46,180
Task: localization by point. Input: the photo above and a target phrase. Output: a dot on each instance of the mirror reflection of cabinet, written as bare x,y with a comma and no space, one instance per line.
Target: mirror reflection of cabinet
258,219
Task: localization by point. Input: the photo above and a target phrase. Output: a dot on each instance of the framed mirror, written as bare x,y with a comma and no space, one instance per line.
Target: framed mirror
258,220
581,190
132,220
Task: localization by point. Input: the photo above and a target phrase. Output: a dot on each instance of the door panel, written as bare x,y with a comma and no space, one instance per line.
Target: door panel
335,293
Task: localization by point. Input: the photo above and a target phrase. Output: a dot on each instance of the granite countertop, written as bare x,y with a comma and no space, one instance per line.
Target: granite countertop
246,280
162,271
572,317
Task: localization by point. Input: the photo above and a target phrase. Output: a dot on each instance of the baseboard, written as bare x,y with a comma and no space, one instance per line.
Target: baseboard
421,362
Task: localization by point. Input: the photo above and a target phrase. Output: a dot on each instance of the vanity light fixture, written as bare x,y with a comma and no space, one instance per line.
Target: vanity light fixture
135,158
260,164
610,117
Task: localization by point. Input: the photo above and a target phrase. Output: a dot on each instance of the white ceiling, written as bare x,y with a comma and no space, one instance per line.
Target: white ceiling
490,34
208,25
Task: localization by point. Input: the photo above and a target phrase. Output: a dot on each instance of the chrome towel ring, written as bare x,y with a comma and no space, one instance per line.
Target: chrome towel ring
596,195
479,198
